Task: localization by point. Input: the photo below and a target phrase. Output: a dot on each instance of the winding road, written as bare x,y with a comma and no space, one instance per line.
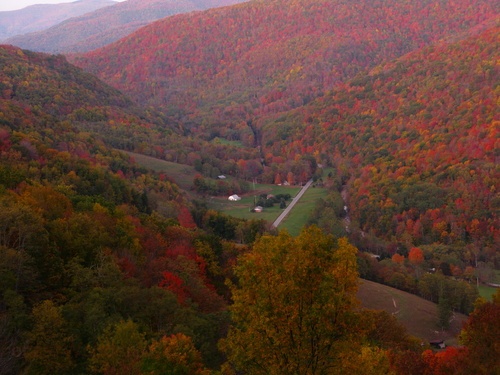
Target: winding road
292,203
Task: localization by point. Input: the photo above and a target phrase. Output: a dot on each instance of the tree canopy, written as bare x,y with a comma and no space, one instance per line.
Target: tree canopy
293,308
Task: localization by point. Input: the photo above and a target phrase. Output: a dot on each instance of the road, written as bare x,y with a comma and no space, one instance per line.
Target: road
292,203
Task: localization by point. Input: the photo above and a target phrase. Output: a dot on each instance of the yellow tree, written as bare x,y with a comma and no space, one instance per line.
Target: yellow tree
174,355
119,351
293,310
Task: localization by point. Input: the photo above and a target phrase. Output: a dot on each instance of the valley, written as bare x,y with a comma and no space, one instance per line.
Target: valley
121,252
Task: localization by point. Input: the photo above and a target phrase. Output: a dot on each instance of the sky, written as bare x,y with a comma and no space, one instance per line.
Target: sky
19,4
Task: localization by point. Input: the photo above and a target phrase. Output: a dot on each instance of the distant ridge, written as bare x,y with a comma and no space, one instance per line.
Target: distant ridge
271,56
104,26
42,16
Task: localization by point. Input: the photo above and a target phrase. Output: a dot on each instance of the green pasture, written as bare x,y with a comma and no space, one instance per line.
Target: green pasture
301,212
224,141
182,174
242,209
487,292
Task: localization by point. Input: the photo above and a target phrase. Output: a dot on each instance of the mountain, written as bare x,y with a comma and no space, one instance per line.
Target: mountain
398,97
104,26
42,16
415,140
220,68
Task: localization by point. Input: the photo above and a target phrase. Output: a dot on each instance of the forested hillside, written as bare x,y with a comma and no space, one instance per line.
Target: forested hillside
416,140
221,69
108,268
89,242
101,27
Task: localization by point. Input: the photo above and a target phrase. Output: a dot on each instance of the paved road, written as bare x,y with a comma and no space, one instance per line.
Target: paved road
292,203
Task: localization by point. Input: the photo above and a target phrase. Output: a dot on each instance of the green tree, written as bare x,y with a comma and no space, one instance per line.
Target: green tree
120,350
49,342
444,312
293,306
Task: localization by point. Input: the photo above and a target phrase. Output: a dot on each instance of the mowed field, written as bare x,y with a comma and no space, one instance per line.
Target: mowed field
242,209
298,217
418,315
182,174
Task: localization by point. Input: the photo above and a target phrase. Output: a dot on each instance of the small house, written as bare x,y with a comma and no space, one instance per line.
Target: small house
234,198
438,344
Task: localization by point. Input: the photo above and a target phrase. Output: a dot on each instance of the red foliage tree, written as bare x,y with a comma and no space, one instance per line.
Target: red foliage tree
416,255
175,284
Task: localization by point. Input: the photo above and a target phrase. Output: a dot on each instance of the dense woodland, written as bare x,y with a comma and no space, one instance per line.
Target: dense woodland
109,268
91,243
421,136
223,69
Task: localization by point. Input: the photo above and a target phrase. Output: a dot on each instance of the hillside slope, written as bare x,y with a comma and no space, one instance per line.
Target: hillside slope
416,140
59,107
42,16
104,26
225,66
86,232
419,316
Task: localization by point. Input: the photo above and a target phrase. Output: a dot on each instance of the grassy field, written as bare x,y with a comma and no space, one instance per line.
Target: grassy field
487,291
223,141
298,217
418,315
182,174
242,208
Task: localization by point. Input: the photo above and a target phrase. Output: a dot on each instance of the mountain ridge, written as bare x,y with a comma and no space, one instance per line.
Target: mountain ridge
103,26
261,57
42,16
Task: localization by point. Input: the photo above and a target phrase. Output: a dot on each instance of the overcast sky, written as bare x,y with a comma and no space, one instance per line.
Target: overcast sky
19,4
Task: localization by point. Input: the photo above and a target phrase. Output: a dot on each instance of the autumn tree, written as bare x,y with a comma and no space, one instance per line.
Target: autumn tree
174,355
120,350
398,258
480,335
293,306
49,342
416,256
